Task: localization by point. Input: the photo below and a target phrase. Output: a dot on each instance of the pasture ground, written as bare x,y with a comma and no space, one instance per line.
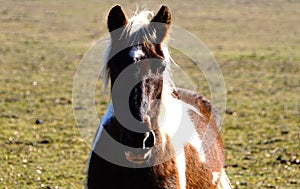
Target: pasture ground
256,43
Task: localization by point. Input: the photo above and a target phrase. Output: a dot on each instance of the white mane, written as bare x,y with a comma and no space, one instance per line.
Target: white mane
137,30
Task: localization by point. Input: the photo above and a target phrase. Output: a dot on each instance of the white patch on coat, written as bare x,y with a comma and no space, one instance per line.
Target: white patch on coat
181,166
197,144
216,176
172,112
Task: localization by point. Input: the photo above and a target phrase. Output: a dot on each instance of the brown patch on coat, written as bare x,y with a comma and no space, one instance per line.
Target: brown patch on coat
166,174
198,174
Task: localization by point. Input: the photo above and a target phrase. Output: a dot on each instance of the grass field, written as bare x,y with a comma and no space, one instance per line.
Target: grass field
256,44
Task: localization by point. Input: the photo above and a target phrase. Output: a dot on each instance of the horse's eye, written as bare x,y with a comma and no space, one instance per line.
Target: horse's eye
161,69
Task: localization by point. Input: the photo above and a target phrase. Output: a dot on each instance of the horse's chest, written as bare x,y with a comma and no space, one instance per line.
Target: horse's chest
147,179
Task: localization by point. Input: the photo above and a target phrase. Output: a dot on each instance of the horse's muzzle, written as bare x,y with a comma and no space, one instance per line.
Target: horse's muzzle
138,156
143,147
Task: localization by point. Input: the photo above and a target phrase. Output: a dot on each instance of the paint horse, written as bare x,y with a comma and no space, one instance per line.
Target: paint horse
145,153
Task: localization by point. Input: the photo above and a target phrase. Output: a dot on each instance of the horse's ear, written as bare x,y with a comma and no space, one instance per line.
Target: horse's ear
161,22
116,18
163,15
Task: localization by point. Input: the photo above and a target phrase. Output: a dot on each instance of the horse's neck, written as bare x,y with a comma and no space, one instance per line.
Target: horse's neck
173,107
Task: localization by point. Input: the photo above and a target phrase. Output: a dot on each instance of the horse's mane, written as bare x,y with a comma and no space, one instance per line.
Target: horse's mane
137,31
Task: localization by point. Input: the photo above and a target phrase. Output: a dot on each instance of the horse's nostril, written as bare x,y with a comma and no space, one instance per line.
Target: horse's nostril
149,140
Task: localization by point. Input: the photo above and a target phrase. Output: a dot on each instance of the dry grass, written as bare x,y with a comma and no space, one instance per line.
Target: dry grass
255,42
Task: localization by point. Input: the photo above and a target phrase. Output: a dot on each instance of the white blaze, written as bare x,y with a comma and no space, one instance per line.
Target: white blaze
136,53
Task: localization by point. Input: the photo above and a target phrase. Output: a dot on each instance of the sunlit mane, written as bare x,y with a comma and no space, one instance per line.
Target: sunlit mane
138,30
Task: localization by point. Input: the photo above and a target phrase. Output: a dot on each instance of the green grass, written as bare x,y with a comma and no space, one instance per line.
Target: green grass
256,44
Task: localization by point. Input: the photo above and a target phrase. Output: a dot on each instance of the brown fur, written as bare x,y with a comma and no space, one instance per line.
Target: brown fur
198,174
165,175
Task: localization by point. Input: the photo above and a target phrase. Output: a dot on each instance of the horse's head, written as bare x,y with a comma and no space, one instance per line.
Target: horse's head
138,43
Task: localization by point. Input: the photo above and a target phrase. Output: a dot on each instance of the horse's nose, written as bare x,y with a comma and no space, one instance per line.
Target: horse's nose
149,140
